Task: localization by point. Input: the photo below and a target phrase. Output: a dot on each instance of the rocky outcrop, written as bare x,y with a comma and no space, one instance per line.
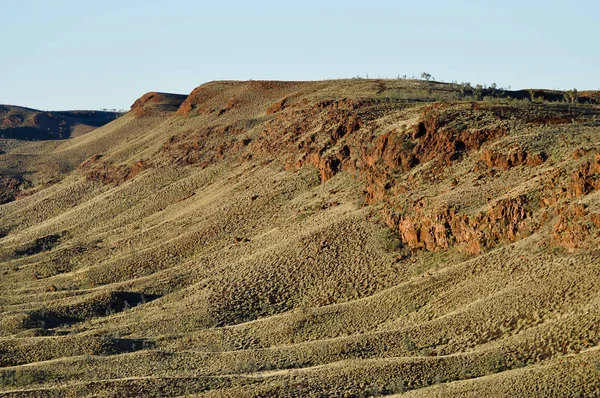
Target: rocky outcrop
442,137
438,138
586,178
575,227
506,220
515,158
331,162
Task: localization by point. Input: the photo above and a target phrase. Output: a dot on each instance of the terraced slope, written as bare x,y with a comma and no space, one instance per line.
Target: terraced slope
341,238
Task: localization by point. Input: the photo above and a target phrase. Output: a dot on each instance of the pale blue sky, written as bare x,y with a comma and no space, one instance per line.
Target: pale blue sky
81,54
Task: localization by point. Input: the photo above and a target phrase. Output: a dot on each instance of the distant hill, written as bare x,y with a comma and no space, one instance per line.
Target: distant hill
31,124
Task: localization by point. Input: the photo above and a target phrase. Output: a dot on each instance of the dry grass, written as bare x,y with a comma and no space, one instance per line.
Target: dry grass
241,277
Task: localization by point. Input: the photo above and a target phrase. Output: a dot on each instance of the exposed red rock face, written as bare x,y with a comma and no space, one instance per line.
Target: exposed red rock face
438,137
586,178
434,138
441,138
342,124
332,121
518,157
507,220
571,229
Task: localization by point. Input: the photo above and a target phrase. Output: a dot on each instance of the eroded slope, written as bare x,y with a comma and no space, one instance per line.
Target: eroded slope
345,238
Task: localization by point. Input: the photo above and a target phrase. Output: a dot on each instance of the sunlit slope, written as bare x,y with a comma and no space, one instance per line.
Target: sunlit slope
342,238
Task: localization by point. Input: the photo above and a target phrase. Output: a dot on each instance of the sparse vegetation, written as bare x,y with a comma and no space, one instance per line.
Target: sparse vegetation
364,237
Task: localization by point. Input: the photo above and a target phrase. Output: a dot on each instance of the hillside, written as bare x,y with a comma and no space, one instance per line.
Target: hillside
30,124
346,238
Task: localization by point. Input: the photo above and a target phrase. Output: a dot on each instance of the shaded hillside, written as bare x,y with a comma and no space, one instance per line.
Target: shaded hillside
340,238
24,124
30,124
